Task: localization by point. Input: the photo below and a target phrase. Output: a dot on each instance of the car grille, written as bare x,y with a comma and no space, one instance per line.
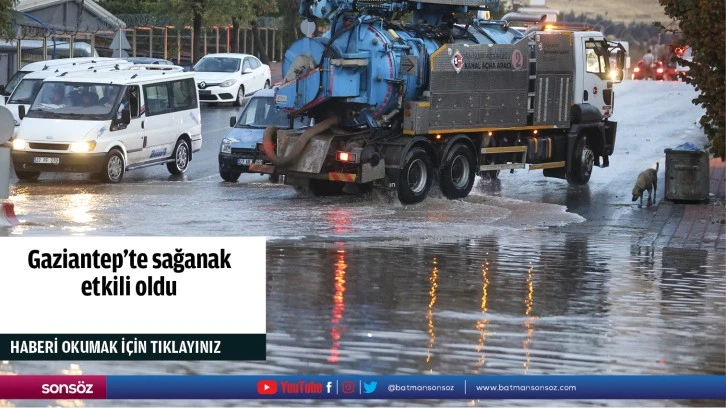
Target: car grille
244,153
48,146
207,97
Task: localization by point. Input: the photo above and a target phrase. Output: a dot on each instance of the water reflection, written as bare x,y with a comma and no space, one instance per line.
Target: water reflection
534,303
481,325
338,304
529,323
434,281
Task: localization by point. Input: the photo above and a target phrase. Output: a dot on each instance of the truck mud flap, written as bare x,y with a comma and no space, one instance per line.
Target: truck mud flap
313,156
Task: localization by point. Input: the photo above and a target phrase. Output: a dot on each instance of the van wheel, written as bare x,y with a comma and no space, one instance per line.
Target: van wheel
582,162
27,175
240,96
181,158
113,167
457,172
230,176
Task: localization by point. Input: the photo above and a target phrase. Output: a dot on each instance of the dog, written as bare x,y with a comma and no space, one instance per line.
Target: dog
647,180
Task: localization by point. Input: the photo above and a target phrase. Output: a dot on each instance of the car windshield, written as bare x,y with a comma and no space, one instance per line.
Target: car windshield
261,112
26,91
13,82
73,100
217,64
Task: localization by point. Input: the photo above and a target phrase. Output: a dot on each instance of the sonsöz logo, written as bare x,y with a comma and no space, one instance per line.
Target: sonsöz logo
78,388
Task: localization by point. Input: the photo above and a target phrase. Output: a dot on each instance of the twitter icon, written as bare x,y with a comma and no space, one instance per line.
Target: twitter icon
370,387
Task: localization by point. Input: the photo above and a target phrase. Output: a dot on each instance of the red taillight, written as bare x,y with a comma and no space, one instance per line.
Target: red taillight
346,157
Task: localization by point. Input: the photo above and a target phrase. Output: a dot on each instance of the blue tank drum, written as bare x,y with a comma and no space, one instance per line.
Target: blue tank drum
366,67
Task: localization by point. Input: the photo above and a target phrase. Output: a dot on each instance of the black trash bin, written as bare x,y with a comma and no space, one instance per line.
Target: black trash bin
686,174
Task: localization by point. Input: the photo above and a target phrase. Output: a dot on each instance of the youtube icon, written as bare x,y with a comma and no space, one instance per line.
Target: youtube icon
267,387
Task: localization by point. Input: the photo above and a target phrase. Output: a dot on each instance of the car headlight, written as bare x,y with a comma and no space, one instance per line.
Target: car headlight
228,83
83,147
19,144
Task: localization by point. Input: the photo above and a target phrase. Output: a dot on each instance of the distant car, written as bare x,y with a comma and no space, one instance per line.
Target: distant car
148,61
242,146
230,77
640,72
687,54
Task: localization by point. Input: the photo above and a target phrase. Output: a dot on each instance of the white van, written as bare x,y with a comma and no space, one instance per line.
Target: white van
126,119
28,87
7,90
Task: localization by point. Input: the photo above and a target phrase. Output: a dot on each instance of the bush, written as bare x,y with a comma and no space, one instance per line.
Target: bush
701,24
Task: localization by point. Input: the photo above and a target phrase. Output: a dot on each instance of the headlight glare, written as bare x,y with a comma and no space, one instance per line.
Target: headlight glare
83,147
19,144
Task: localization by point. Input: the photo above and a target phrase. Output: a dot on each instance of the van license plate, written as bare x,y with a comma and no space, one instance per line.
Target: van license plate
46,160
244,161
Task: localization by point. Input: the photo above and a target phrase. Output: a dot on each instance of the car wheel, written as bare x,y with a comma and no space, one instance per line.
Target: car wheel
113,167
267,84
240,96
27,175
230,176
181,158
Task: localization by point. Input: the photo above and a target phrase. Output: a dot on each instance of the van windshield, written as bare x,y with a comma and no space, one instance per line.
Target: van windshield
74,100
13,82
260,112
26,91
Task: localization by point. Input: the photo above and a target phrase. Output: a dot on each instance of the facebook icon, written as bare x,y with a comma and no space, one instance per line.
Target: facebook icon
328,386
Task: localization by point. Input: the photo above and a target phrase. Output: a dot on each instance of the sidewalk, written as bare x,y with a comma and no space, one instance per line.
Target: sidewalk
693,226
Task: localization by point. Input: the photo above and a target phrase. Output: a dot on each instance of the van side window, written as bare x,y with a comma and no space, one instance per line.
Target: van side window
157,99
184,94
130,101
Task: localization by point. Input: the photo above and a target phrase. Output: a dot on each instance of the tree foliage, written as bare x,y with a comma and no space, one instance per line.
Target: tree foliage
6,18
195,13
701,24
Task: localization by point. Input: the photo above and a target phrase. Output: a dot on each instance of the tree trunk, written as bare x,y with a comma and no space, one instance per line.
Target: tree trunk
259,46
234,41
197,7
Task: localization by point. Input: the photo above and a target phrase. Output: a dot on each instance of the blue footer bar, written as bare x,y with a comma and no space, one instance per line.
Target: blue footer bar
416,387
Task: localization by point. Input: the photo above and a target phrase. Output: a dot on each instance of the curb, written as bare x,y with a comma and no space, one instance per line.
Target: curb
7,215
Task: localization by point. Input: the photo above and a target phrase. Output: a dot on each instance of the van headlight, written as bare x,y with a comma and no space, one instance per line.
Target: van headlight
226,146
228,83
19,144
83,147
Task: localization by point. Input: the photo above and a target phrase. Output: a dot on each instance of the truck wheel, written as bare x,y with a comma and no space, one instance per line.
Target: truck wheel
113,167
240,96
457,172
181,158
27,175
415,178
322,188
231,176
582,162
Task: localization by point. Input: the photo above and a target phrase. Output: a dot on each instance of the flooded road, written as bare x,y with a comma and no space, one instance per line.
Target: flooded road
527,275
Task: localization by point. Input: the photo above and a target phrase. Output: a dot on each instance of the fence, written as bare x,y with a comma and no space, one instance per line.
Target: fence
175,44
